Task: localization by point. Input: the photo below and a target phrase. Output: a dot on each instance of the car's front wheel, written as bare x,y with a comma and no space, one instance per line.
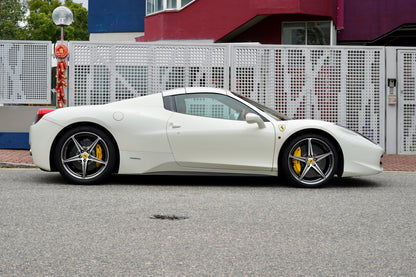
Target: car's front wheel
309,160
85,155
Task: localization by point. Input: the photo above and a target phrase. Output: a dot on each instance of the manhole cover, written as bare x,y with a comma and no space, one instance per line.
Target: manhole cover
168,217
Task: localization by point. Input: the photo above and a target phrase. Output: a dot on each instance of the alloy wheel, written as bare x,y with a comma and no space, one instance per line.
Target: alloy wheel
84,155
311,161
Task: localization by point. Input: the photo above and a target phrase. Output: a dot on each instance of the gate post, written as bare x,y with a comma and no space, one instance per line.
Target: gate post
391,108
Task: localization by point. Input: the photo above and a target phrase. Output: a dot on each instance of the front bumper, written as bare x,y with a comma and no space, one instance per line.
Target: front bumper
361,156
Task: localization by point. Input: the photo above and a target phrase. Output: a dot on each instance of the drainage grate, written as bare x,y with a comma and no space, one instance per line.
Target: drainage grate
168,217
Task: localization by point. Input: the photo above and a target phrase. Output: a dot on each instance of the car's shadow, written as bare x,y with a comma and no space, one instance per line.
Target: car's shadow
238,181
175,180
221,181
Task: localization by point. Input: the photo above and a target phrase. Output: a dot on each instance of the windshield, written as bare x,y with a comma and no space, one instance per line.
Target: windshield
265,109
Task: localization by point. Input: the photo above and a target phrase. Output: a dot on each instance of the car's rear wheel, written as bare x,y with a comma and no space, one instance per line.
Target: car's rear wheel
309,160
85,155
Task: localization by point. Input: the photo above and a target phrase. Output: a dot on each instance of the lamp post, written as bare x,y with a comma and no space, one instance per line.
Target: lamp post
61,16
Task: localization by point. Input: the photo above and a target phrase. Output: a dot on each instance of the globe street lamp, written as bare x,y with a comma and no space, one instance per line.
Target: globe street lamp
61,16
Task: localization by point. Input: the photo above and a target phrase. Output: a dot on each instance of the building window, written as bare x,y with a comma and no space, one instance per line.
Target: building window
185,2
171,4
159,5
154,6
306,33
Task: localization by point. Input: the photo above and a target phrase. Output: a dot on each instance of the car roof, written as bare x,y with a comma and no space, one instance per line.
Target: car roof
194,90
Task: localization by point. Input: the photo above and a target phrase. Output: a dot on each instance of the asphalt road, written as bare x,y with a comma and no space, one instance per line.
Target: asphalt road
219,226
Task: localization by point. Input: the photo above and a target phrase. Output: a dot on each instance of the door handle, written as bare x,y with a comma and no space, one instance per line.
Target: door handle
174,126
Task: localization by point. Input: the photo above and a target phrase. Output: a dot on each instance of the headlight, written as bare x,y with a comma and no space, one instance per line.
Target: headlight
354,132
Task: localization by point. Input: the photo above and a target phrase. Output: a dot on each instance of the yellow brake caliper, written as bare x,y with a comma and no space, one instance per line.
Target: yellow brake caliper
296,163
98,153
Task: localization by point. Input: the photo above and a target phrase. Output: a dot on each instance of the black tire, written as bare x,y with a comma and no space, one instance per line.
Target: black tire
309,160
85,155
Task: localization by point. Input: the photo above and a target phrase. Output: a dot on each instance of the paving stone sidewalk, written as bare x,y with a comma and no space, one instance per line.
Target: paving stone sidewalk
22,158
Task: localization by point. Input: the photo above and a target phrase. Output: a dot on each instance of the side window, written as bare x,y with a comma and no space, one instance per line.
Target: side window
211,105
169,103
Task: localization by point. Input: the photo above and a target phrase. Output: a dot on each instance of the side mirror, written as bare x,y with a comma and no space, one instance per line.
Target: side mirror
254,118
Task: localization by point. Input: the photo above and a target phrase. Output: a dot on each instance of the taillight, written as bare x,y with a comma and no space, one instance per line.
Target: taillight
42,112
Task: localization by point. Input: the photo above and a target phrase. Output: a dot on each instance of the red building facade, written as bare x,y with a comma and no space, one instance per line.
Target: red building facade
282,21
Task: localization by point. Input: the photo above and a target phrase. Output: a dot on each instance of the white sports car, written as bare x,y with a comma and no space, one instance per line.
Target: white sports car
196,131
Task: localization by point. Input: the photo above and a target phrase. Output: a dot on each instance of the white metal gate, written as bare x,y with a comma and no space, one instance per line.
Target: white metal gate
107,72
337,84
406,102
25,72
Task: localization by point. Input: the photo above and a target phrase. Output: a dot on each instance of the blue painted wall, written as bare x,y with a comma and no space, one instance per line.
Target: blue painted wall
109,16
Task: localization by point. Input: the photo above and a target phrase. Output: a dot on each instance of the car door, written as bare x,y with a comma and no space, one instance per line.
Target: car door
209,130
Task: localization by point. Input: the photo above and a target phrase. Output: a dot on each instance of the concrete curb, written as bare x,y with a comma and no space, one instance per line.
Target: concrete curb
16,165
398,172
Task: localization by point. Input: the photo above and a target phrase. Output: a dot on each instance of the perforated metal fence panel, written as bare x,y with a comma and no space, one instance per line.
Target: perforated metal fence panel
407,102
336,84
25,72
106,72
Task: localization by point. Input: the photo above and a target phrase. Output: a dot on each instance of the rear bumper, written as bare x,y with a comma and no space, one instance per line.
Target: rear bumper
41,138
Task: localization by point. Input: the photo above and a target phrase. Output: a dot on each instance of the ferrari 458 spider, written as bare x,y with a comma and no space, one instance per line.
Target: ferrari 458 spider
196,131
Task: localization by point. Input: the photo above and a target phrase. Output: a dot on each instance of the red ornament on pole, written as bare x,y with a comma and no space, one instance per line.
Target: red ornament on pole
61,52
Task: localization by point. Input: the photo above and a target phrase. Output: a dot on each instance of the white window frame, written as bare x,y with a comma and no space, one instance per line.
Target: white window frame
165,6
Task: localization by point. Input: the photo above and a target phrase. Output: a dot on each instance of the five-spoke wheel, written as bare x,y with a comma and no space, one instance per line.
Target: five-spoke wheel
309,160
85,155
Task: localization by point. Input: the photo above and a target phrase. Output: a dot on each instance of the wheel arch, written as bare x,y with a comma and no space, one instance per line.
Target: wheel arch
80,124
340,165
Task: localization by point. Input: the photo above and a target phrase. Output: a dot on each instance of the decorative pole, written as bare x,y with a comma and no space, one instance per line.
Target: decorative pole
61,16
